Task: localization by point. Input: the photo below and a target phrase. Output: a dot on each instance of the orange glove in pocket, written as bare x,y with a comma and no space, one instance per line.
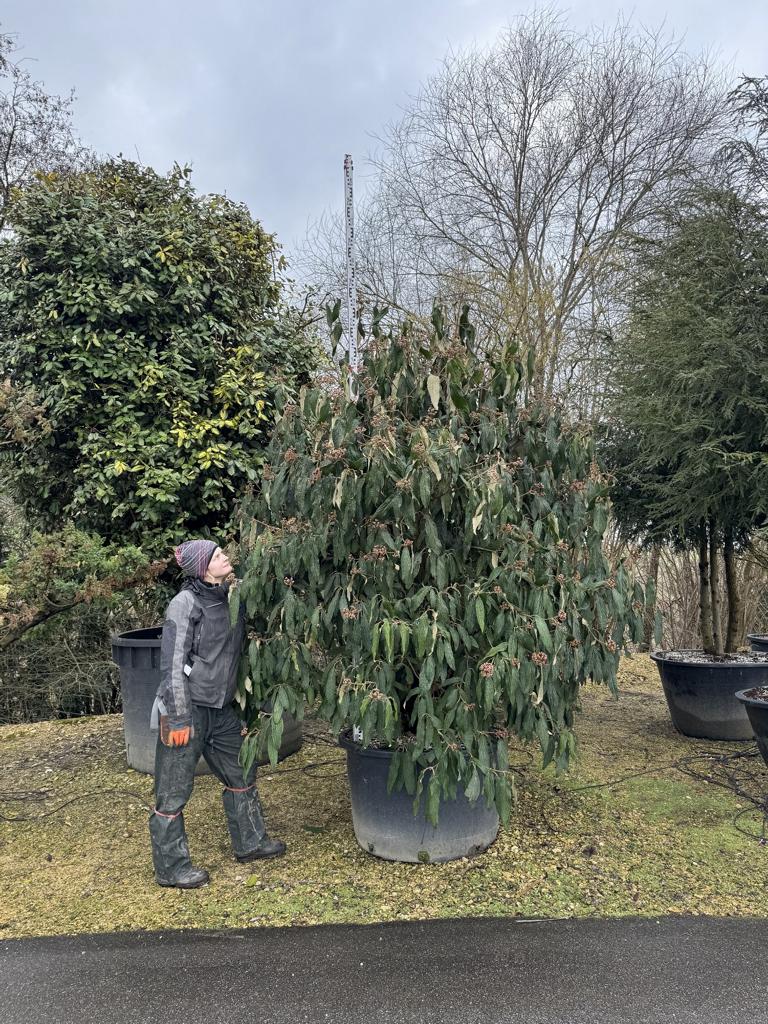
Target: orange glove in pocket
174,737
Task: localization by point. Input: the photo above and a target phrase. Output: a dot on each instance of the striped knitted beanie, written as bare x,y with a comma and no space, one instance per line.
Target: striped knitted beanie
194,555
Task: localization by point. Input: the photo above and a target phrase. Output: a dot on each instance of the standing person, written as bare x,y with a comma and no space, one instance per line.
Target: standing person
199,660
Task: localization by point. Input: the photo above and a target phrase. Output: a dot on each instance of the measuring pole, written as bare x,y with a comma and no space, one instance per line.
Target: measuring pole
349,209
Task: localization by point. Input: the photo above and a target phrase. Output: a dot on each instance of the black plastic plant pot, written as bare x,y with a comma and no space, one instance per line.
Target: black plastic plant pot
137,656
755,700
758,642
702,695
386,826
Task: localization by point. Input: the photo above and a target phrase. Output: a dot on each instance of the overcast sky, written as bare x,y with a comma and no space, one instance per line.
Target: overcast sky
264,97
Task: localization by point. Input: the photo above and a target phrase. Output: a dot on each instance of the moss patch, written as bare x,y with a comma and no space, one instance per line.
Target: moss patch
625,832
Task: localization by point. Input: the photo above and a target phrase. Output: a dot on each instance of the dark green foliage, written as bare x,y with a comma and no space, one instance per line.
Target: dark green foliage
687,435
147,321
690,395
54,573
689,417
426,561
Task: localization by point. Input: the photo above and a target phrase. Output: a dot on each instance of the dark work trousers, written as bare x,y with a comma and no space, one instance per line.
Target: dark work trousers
217,736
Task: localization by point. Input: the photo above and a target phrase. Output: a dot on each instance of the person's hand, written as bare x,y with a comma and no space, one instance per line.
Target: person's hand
179,737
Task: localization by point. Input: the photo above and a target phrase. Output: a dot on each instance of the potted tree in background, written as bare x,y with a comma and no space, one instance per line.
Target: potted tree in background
425,561
687,435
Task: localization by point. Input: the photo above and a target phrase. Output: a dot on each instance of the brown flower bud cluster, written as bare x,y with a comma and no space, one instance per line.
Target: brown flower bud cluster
334,454
290,455
290,525
403,484
560,578
573,642
562,615
611,583
378,554
349,613
578,486
562,545
267,474
288,581
539,658
611,645
408,543
316,475
486,669
497,589
518,564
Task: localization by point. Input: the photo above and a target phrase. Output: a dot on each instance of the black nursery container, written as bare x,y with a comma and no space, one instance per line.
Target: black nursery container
757,710
702,695
386,826
758,642
137,656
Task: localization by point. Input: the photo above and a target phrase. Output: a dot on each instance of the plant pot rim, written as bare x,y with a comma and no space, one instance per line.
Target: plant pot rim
756,702
346,741
757,636
725,663
128,639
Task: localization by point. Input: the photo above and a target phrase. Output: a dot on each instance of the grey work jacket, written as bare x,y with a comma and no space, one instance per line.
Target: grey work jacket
199,653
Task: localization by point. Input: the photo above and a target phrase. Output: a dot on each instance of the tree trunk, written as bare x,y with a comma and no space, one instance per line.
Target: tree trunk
714,587
705,602
734,637
650,612
750,569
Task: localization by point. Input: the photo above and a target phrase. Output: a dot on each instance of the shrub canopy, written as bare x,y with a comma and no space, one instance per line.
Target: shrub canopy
147,320
425,559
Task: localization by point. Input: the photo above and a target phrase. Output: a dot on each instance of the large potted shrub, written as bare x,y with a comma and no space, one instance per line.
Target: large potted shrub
686,438
424,563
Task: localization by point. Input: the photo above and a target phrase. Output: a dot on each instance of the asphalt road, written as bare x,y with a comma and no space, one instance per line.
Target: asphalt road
662,971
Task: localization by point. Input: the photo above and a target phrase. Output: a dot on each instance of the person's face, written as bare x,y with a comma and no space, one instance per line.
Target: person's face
219,567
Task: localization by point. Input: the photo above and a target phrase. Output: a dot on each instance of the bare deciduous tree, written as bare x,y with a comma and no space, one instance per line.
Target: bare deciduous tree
36,132
517,173
536,158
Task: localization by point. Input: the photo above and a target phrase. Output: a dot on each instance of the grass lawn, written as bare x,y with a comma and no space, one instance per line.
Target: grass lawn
627,832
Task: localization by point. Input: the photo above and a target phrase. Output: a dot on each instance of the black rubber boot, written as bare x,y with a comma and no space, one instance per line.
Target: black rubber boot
266,848
245,820
170,854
